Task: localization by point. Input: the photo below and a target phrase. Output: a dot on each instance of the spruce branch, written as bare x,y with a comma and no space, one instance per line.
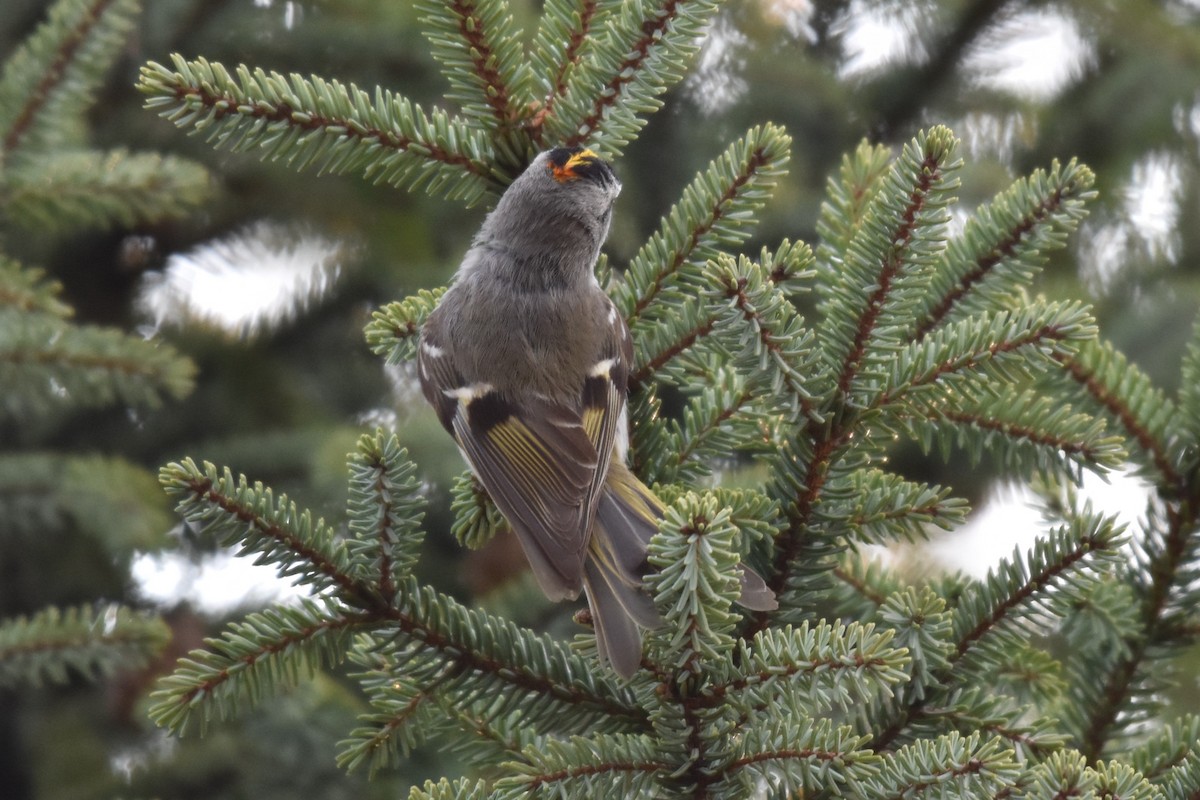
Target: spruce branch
796,759
1067,774
490,739
759,315
892,251
45,363
864,586
55,644
1117,388
502,658
1182,781
27,289
480,51
847,197
267,650
661,344
1175,744
1189,388
1013,596
406,709
1018,589
476,518
94,189
395,329
924,626
485,653
1006,242
1023,430
952,765
811,669
710,424
596,766
51,78
461,789
716,421
753,513
641,53
323,124
450,663
115,502
695,581
996,715
736,294
1008,340
249,516
567,33
1166,580
717,209
878,507
385,509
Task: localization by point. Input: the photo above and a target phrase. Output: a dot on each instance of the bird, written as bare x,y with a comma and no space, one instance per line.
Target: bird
526,362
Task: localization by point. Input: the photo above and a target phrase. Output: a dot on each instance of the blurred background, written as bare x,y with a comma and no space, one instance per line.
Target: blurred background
269,285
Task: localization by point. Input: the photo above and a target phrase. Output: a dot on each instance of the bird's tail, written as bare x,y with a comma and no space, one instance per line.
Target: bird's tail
626,518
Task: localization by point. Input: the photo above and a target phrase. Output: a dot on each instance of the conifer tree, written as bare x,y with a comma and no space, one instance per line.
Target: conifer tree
52,182
1038,681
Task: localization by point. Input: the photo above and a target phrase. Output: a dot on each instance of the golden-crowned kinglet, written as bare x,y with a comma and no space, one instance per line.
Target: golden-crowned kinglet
526,361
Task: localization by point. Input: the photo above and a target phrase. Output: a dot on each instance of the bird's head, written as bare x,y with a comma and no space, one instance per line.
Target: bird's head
558,210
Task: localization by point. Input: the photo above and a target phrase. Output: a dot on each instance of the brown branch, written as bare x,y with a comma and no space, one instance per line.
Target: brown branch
792,540
789,754
1164,569
1032,585
644,373
1015,431
627,71
205,688
387,584
890,270
204,491
81,361
859,586
53,76
571,56
471,28
1125,415
756,160
227,105
558,776
983,266
379,610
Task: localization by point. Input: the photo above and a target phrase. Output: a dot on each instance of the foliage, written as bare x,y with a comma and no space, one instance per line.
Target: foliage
812,369
52,368
947,686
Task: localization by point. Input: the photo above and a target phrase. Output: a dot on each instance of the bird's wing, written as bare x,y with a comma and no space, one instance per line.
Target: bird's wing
537,459
604,392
